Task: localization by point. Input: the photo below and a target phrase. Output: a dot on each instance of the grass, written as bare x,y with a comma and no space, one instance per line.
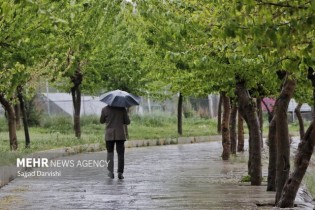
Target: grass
155,127
57,132
41,141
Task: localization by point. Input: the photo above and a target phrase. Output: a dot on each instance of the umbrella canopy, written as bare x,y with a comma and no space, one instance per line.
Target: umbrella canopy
119,98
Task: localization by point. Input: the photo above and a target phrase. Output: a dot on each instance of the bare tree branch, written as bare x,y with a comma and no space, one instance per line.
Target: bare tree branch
287,5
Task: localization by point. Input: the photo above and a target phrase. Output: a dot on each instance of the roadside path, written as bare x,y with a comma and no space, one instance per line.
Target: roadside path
189,176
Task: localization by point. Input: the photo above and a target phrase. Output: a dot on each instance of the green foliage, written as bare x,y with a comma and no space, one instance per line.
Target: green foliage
33,115
23,43
64,124
245,178
56,132
176,37
157,126
192,47
90,120
8,158
3,124
155,120
309,180
278,33
188,111
60,124
185,46
79,29
124,53
205,51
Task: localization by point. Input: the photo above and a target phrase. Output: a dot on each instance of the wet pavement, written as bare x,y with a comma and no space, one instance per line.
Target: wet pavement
190,176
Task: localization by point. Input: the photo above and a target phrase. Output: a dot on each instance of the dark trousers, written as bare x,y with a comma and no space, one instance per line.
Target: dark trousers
120,148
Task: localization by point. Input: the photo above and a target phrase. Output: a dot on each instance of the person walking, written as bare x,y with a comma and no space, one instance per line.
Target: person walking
116,120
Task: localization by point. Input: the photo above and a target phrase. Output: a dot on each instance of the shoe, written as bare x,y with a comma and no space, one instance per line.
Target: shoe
120,176
111,175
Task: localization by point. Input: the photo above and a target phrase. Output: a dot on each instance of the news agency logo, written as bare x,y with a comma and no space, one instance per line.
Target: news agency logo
32,162
45,163
42,166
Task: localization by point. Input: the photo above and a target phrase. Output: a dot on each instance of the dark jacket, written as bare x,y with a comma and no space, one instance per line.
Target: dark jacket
116,120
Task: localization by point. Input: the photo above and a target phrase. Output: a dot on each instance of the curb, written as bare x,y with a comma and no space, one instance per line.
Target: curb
168,141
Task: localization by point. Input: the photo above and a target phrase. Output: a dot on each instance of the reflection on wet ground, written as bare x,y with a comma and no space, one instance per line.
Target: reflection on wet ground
191,176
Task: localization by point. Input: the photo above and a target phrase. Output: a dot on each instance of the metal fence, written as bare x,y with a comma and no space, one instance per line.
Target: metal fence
61,104
56,104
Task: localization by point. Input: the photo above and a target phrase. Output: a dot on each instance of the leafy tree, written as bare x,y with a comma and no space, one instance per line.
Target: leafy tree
175,38
202,62
123,52
81,28
23,48
281,33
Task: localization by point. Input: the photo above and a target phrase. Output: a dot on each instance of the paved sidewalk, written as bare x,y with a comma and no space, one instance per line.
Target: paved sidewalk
190,176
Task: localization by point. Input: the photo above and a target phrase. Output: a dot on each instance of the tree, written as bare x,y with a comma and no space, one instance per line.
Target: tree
233,135
198,56
282,135
125,53
226,142
180,114
298,114
219,127
282,34
165,37
302,159
23,45
240,133
303,94
179,40
248,111
81,27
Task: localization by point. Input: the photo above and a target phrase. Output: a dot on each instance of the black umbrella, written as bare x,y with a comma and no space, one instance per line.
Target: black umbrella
119,98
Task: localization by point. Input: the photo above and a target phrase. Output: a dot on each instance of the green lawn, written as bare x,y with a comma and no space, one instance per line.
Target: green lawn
57,132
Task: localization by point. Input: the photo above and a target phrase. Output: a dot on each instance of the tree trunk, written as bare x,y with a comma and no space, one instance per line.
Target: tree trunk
219,126
180,114
233,134
24,117
11,122
271,180
76,100
282,135
272,143
297,111
261,121
249,163
225,127
240,134
17,116
248,111
302,159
